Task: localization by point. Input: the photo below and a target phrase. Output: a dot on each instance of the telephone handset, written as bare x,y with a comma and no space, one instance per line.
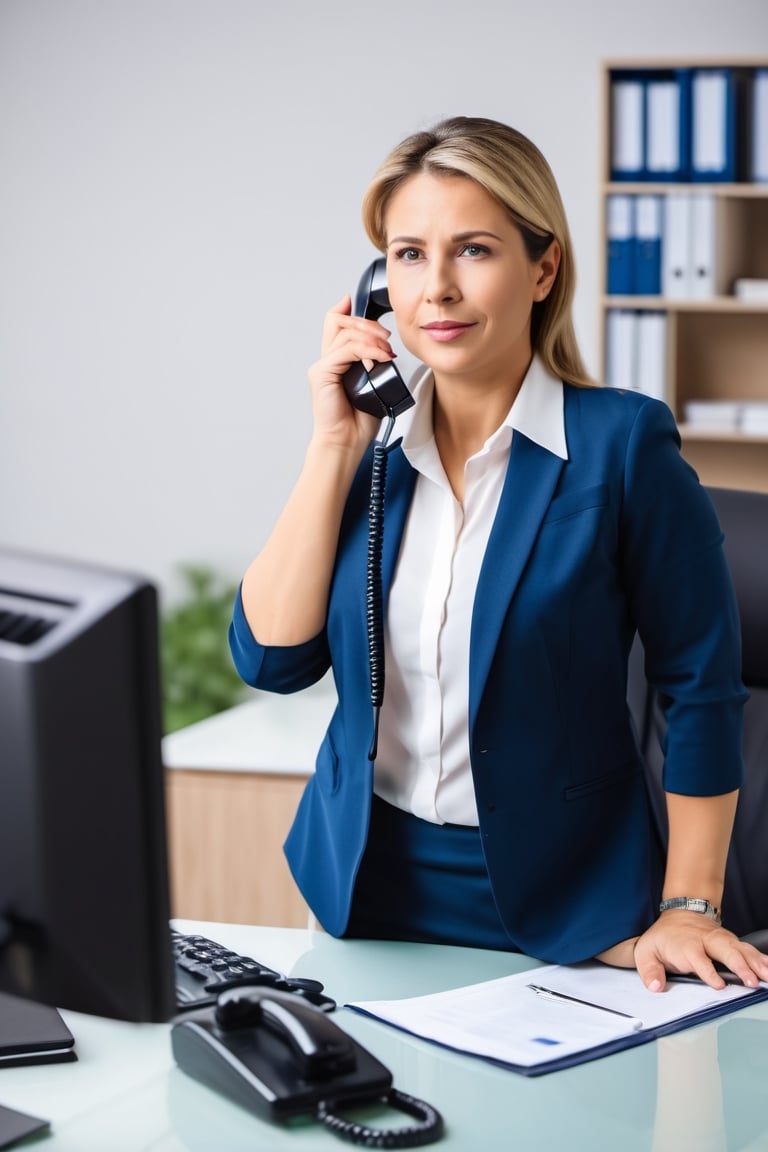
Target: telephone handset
280,1056
380,391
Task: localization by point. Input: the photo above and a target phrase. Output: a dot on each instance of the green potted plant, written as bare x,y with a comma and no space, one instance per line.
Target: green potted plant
199,678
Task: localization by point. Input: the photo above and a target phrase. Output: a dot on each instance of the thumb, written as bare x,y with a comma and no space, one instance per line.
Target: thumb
331,322
651,970
343,307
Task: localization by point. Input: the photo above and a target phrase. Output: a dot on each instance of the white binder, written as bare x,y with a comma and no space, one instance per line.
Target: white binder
703,246
652,354
676,246
663,129
627,145
709,152
621,348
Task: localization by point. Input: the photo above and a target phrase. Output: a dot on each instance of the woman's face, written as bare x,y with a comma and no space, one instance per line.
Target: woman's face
460,281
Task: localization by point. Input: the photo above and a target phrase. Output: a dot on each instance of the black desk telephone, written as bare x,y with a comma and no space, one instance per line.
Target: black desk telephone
280,1056
380,391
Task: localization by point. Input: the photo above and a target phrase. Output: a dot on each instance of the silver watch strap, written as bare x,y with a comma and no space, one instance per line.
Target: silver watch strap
692,904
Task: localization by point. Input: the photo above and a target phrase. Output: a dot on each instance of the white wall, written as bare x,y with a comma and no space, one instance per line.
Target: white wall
180,183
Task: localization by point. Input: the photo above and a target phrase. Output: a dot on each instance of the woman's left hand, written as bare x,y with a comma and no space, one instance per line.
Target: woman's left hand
687,943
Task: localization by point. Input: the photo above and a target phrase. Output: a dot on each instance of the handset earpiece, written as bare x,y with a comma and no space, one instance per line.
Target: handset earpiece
380,391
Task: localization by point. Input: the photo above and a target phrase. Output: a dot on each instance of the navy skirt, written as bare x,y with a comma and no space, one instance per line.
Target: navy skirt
424,882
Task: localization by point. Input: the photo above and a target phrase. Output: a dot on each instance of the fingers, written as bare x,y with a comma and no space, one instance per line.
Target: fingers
359,338
686,946
746,962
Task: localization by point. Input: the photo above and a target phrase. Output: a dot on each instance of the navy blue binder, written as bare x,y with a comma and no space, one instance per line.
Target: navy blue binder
620,238
648,230
719,124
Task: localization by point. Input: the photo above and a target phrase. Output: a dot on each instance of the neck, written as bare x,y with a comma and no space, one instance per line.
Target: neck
465,414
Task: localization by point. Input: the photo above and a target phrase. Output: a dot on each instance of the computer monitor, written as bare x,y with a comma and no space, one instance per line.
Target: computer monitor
84,903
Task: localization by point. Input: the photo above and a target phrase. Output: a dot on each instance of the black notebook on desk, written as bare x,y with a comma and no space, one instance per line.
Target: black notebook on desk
16,1126
32,1033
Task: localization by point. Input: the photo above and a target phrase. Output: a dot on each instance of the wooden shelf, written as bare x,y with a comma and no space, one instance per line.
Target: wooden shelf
740,191
692,432
727,304
716,347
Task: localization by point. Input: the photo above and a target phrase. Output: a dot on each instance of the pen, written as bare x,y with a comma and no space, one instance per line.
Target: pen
550,994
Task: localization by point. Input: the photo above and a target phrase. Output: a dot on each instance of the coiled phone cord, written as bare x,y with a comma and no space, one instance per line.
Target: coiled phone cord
373,594
429,1129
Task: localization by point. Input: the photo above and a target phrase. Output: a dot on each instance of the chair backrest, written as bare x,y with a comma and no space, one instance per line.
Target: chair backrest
744,520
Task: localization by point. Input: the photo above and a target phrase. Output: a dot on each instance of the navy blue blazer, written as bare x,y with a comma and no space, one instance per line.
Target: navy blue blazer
583,552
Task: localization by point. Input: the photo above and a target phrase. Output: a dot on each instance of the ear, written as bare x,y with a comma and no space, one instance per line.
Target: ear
546,271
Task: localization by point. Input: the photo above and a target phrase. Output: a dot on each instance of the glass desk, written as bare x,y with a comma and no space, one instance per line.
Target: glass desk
704,1089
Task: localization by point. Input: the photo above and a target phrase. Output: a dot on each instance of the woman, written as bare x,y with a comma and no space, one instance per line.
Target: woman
533,522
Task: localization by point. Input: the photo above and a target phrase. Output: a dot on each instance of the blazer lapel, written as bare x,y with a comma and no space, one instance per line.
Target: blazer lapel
532,476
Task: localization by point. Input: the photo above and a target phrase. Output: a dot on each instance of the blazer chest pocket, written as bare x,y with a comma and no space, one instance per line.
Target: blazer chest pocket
601,783
572,503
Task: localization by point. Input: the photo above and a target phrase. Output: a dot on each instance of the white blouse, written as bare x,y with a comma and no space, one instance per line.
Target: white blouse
423,761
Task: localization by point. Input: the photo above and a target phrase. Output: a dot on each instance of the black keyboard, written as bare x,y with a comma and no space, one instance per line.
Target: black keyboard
205,968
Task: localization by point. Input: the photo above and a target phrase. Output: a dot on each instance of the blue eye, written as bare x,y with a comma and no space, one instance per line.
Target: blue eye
475,250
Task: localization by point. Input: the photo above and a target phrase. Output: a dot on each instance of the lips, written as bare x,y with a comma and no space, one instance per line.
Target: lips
445,330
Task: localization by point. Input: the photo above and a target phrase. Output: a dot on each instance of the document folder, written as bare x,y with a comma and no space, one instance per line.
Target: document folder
590,1011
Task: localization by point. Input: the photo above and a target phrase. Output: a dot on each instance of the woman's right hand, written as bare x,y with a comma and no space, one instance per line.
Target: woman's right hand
285,589
347,339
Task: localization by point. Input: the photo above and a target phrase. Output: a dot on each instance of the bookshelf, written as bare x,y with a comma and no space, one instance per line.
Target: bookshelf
701,347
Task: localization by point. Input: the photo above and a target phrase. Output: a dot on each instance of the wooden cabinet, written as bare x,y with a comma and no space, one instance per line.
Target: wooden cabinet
233,783
715,347
225,836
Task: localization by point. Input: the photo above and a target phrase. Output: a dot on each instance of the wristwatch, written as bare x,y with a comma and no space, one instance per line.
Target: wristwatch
692,904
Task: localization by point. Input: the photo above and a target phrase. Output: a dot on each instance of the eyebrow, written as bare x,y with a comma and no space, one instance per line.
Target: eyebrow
455,239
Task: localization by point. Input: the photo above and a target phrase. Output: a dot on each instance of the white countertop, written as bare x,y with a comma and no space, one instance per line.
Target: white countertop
268,733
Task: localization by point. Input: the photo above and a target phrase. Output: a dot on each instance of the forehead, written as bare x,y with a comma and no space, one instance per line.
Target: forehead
426,203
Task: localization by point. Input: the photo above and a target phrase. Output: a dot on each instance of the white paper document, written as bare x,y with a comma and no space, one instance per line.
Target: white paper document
506,1020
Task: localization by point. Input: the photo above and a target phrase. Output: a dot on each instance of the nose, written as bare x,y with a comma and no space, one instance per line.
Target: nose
440,285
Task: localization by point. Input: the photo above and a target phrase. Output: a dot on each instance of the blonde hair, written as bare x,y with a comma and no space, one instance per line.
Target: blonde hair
512,169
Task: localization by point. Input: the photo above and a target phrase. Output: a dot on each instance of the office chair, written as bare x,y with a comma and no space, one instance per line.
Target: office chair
744,520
